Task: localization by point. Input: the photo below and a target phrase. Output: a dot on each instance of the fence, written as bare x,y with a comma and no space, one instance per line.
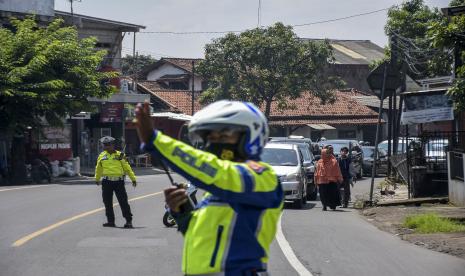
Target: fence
428,150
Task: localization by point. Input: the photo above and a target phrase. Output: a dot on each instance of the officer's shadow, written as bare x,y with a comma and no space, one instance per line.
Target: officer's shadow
133,228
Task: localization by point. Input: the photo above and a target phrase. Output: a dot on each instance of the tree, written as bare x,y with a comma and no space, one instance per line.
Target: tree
409,23
266,65
45,73
450,36
127,64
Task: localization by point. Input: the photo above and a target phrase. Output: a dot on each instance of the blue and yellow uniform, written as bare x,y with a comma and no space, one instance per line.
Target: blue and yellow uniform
233,226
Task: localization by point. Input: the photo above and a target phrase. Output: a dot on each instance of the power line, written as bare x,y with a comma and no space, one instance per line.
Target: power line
340,18
239,31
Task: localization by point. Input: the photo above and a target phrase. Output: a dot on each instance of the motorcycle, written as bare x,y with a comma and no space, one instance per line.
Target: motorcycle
168,220
40,171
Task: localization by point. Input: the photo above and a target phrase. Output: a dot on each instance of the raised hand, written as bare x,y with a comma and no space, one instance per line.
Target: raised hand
144,122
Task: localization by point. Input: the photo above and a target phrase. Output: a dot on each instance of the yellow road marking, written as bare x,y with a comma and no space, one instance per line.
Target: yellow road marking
20,188
29,237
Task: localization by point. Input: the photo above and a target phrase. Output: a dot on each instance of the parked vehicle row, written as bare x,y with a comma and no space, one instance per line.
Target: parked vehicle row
355,151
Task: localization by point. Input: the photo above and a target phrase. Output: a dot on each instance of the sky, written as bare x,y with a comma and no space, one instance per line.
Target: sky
226,15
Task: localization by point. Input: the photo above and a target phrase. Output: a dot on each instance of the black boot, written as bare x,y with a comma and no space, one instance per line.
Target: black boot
109,224
128,224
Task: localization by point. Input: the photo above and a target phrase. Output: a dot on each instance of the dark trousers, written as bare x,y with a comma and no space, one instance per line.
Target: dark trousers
345,191
329,195
108,187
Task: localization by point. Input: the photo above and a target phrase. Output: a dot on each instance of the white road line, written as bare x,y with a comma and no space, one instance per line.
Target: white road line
289,253
20,188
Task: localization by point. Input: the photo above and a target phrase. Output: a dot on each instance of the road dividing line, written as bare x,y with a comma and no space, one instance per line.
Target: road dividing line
29,237
289,253
20,188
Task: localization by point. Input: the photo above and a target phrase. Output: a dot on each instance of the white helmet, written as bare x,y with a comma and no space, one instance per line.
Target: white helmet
234,116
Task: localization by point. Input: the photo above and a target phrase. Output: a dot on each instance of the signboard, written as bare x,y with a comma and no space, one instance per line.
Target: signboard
81,116
55,143
111,113
426,107
376,78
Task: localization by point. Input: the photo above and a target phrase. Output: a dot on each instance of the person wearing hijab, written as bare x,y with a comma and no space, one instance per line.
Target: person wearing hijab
327,177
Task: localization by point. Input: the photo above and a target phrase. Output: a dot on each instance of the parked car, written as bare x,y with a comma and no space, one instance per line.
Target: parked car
288,162
355,152
368,157
435,154
309,164
401,146
314,147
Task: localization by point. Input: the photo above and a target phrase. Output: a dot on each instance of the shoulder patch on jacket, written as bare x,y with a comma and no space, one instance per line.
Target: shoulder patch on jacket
256,167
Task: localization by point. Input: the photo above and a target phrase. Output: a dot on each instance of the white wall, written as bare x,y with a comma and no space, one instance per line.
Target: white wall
456,187
165,69
168,69
197,83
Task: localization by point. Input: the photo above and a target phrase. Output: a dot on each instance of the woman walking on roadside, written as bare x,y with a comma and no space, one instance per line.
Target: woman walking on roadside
327,177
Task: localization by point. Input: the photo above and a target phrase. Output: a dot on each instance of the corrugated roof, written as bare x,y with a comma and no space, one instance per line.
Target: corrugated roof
121,26
354,51
373,101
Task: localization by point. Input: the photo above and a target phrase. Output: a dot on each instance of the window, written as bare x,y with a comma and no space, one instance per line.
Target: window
178,85
279,157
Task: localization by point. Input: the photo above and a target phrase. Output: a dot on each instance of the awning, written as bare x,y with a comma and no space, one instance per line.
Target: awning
321,126
172,116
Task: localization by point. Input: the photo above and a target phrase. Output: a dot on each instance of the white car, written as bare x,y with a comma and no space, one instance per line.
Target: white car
288,163
435,154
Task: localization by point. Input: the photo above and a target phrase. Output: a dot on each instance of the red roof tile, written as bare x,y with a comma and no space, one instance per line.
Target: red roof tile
309,105
308,108
332,122
181,99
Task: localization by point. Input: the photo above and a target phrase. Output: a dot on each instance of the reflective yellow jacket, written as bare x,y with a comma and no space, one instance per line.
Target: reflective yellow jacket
113,165
233,226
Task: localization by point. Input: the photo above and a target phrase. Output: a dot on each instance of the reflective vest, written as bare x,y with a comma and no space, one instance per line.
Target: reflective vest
235,223
113,165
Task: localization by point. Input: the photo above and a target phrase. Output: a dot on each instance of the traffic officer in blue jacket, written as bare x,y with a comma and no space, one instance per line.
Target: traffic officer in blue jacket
113,166
230,231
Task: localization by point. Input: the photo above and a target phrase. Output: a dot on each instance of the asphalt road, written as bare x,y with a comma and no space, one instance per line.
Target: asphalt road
67,238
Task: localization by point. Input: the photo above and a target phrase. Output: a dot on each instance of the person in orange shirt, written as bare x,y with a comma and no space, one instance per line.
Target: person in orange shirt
327,177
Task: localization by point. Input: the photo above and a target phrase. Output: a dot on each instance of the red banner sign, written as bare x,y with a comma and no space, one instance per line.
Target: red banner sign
111,113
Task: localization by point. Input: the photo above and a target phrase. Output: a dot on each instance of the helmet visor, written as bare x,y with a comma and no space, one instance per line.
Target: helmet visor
199,133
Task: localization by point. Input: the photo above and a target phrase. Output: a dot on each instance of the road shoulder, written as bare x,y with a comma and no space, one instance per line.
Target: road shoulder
390,219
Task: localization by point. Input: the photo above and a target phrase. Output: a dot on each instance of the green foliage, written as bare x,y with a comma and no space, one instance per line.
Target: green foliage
409,24
457,3
450,36
127,64
432,223
266,65
47,73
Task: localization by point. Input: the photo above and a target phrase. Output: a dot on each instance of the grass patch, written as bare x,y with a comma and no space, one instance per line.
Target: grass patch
432,223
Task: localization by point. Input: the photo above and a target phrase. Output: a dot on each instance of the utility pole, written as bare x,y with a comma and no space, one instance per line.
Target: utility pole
134,63
391,110
375,154
193,91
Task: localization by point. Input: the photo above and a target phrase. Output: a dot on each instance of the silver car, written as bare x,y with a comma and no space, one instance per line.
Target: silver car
288,163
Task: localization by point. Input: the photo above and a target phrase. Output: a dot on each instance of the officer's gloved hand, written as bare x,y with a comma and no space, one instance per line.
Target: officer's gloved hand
97,182
134,184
